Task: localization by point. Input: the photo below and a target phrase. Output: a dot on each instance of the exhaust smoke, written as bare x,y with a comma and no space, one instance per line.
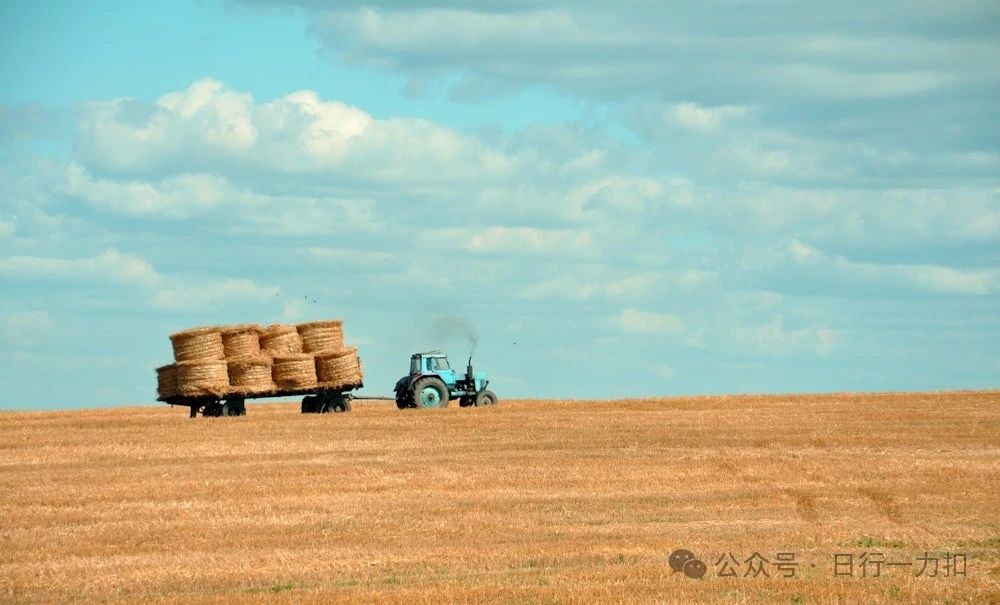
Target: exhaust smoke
453,327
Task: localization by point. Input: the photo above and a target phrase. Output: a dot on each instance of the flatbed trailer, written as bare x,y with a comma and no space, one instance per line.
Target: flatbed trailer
315,400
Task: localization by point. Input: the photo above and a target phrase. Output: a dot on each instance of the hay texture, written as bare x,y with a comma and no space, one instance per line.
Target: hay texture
241,341
280,340
322,336
202,378
339,369
250,375
166,381
198,344
294,372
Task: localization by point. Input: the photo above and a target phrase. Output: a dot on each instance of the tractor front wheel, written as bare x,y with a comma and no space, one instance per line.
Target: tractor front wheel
430,392
485,398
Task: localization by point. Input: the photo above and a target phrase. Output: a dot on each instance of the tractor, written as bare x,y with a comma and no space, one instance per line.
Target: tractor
432,383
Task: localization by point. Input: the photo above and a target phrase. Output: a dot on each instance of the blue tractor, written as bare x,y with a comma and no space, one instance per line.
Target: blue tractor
432,383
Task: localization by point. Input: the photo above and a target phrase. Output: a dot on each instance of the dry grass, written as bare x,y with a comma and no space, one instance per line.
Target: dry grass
533,501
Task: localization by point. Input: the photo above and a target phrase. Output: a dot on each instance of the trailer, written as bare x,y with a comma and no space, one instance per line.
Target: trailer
316,400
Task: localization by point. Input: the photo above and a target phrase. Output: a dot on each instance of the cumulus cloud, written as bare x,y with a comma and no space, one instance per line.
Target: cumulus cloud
634,321
211,126
764,52
571,287
112,268
774,338
802,267
26,328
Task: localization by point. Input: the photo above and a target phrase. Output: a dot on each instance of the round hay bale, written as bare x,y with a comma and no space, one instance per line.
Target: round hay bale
280,339
166,381
250,375
198,344
322,336
294,371
338,369
241,341
201,378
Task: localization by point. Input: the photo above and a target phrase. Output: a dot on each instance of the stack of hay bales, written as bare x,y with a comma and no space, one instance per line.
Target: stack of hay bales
200,368
248,360
336,366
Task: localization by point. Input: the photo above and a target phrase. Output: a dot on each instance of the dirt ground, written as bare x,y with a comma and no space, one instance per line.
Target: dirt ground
882,498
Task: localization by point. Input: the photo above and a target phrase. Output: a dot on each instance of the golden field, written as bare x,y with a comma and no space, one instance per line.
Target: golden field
531,501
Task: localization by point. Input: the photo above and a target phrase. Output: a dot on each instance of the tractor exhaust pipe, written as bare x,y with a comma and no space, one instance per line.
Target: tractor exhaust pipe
468,371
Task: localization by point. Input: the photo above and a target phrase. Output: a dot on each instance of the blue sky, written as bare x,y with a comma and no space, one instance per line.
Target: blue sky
641,199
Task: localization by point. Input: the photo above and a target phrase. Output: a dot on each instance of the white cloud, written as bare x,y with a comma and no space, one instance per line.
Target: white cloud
930,278
596,49
178,196
495,239
772,337
664,370
114,267
568,286
645,322
210,127
208,294
707,119
350,257
110,266
25,328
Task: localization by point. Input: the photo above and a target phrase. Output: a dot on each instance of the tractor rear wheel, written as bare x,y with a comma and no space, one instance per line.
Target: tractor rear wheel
430,392
335,403
485,398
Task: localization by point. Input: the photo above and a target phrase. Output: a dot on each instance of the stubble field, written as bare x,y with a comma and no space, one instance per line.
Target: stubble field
531,501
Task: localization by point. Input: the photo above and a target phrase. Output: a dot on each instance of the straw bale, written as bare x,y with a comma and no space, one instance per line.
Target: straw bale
322,336
250,375
294,371
241,341
203,377
198,344
166,381
341,368
280,339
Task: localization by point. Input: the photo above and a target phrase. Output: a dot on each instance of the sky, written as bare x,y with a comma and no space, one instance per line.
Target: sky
621,199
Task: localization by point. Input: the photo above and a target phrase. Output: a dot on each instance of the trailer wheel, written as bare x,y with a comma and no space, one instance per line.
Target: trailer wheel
234,406
486,398
430,392
334,403
310,404
213,409
401,400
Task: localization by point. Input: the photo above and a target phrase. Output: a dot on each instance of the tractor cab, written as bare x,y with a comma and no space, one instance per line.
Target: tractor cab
432,383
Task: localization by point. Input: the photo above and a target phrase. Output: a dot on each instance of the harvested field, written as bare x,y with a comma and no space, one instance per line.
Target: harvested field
531,501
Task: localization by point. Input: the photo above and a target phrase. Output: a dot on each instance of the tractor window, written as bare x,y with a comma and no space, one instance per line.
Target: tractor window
440,363
415,365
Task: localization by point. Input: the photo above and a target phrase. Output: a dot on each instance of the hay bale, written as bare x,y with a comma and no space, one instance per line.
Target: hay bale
241,341
280,339
166,381
198,344
250,375
322,336
202,378
294,371
338,369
